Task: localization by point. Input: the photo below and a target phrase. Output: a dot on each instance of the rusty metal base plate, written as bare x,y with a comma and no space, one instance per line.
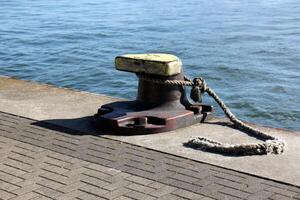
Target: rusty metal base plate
134,117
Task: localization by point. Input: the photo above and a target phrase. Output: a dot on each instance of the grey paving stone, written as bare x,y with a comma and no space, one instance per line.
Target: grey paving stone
234,192
284,192
186,194
163,191
139,180
169,196
5,195
40,160
140,188
297,196
139,195
279,197
117,193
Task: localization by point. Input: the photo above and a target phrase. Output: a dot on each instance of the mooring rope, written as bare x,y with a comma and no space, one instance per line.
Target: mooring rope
270,144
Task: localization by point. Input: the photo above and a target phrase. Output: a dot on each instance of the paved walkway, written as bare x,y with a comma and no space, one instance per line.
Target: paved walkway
73,109
43,161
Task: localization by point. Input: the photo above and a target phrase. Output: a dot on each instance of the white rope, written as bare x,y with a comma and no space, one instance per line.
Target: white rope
270,144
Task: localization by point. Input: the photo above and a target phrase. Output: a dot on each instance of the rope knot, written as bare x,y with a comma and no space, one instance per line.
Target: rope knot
198,88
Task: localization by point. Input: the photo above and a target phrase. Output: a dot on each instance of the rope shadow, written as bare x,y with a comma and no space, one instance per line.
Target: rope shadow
231,125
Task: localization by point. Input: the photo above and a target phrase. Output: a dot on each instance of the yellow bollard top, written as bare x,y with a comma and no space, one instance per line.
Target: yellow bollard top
155,64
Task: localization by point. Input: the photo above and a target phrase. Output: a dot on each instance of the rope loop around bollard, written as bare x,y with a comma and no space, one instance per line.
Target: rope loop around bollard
270,144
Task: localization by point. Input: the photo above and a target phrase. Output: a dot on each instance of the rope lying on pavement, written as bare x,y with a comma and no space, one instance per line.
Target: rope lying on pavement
270,144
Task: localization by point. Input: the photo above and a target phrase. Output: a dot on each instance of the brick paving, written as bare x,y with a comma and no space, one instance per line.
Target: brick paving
43,161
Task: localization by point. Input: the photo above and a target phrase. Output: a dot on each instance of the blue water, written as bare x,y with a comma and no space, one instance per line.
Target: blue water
248,51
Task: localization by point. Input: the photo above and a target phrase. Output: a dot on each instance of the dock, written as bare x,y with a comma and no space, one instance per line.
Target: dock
50,150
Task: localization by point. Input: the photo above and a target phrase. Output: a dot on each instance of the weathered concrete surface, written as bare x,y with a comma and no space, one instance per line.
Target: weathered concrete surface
71,108
41,101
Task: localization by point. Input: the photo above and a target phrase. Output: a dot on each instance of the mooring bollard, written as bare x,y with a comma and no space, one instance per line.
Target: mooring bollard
161,103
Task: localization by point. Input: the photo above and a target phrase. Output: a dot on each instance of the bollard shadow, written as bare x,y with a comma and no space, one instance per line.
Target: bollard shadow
77,126
74,126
